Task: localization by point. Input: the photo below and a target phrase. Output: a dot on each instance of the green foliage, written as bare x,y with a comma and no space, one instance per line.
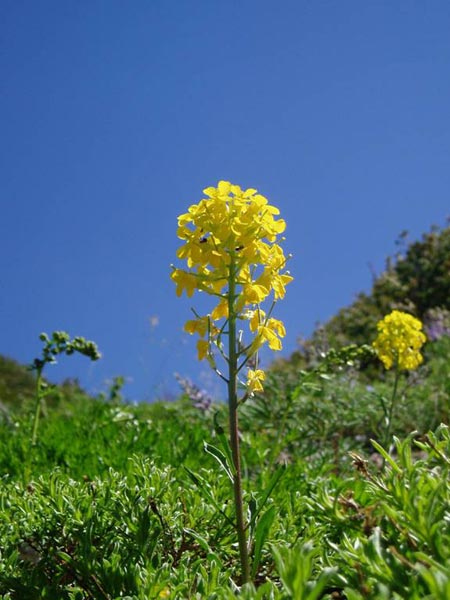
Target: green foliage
417,281
17,384
101,538
395,528
425,271
127,518
326,412
297,567
87,437
59,343
133,501
129,501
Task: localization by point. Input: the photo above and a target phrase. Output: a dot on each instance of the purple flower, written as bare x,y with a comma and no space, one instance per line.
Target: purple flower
437,323
200,398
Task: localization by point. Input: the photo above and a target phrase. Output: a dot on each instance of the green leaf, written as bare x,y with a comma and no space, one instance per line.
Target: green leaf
261,532
317,587
204,488
267,492
203,543
224,442
220,457
386,456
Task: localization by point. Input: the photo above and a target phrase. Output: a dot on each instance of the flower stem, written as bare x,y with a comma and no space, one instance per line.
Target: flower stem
234,431
391,411
37,408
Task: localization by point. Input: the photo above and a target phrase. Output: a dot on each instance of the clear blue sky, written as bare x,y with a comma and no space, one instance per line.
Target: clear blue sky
115,115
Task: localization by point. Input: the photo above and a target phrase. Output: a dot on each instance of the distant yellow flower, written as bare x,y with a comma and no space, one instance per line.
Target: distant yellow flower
400,338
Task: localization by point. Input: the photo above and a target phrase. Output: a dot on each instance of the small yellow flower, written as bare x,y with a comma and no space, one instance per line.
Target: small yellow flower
199,326
184,280
254,379
254,294
202,349
400,338
220,311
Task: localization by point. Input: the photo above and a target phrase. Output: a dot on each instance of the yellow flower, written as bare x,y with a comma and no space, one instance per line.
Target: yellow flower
277,326
230,236
254,294
199,326
230,222
400,338
185,281
202,349
220,311
254,378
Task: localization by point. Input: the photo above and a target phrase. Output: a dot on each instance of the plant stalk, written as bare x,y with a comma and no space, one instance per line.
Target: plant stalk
37,409
234,431
391,411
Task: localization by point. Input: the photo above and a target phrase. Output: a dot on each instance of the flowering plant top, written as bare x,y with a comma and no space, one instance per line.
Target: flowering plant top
400,338
231,251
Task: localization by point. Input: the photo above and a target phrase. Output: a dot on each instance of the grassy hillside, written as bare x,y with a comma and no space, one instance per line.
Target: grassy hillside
416,280
107,500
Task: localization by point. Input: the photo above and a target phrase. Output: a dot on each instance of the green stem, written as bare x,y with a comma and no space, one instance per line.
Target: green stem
37,409
391,411
234,431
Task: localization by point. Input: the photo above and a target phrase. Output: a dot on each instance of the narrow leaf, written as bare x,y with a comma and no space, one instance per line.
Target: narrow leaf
220,457
267,492
261,532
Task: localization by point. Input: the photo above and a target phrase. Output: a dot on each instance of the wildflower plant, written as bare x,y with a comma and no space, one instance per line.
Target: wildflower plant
200,399
59,343
400,338
231,252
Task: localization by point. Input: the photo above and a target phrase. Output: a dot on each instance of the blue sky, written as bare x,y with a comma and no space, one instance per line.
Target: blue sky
115,116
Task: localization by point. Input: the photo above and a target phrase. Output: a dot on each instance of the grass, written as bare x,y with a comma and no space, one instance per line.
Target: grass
120,501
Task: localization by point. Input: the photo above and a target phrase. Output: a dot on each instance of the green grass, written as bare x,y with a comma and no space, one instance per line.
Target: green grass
120,501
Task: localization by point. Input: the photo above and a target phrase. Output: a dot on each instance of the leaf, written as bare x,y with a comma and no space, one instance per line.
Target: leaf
266,494
386,455
261,532
220,457
225,443
317,587
203,486
202,542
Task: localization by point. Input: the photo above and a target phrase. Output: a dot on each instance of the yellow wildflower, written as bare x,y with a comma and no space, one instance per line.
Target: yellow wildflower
230,235
220,311
254,379
185,281
199,326
202,349
400,338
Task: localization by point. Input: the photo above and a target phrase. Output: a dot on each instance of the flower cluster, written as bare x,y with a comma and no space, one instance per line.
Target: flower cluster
437,323
400,338
231,253
200,398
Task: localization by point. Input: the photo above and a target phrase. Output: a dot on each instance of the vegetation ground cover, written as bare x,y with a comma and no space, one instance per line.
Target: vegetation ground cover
115,500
